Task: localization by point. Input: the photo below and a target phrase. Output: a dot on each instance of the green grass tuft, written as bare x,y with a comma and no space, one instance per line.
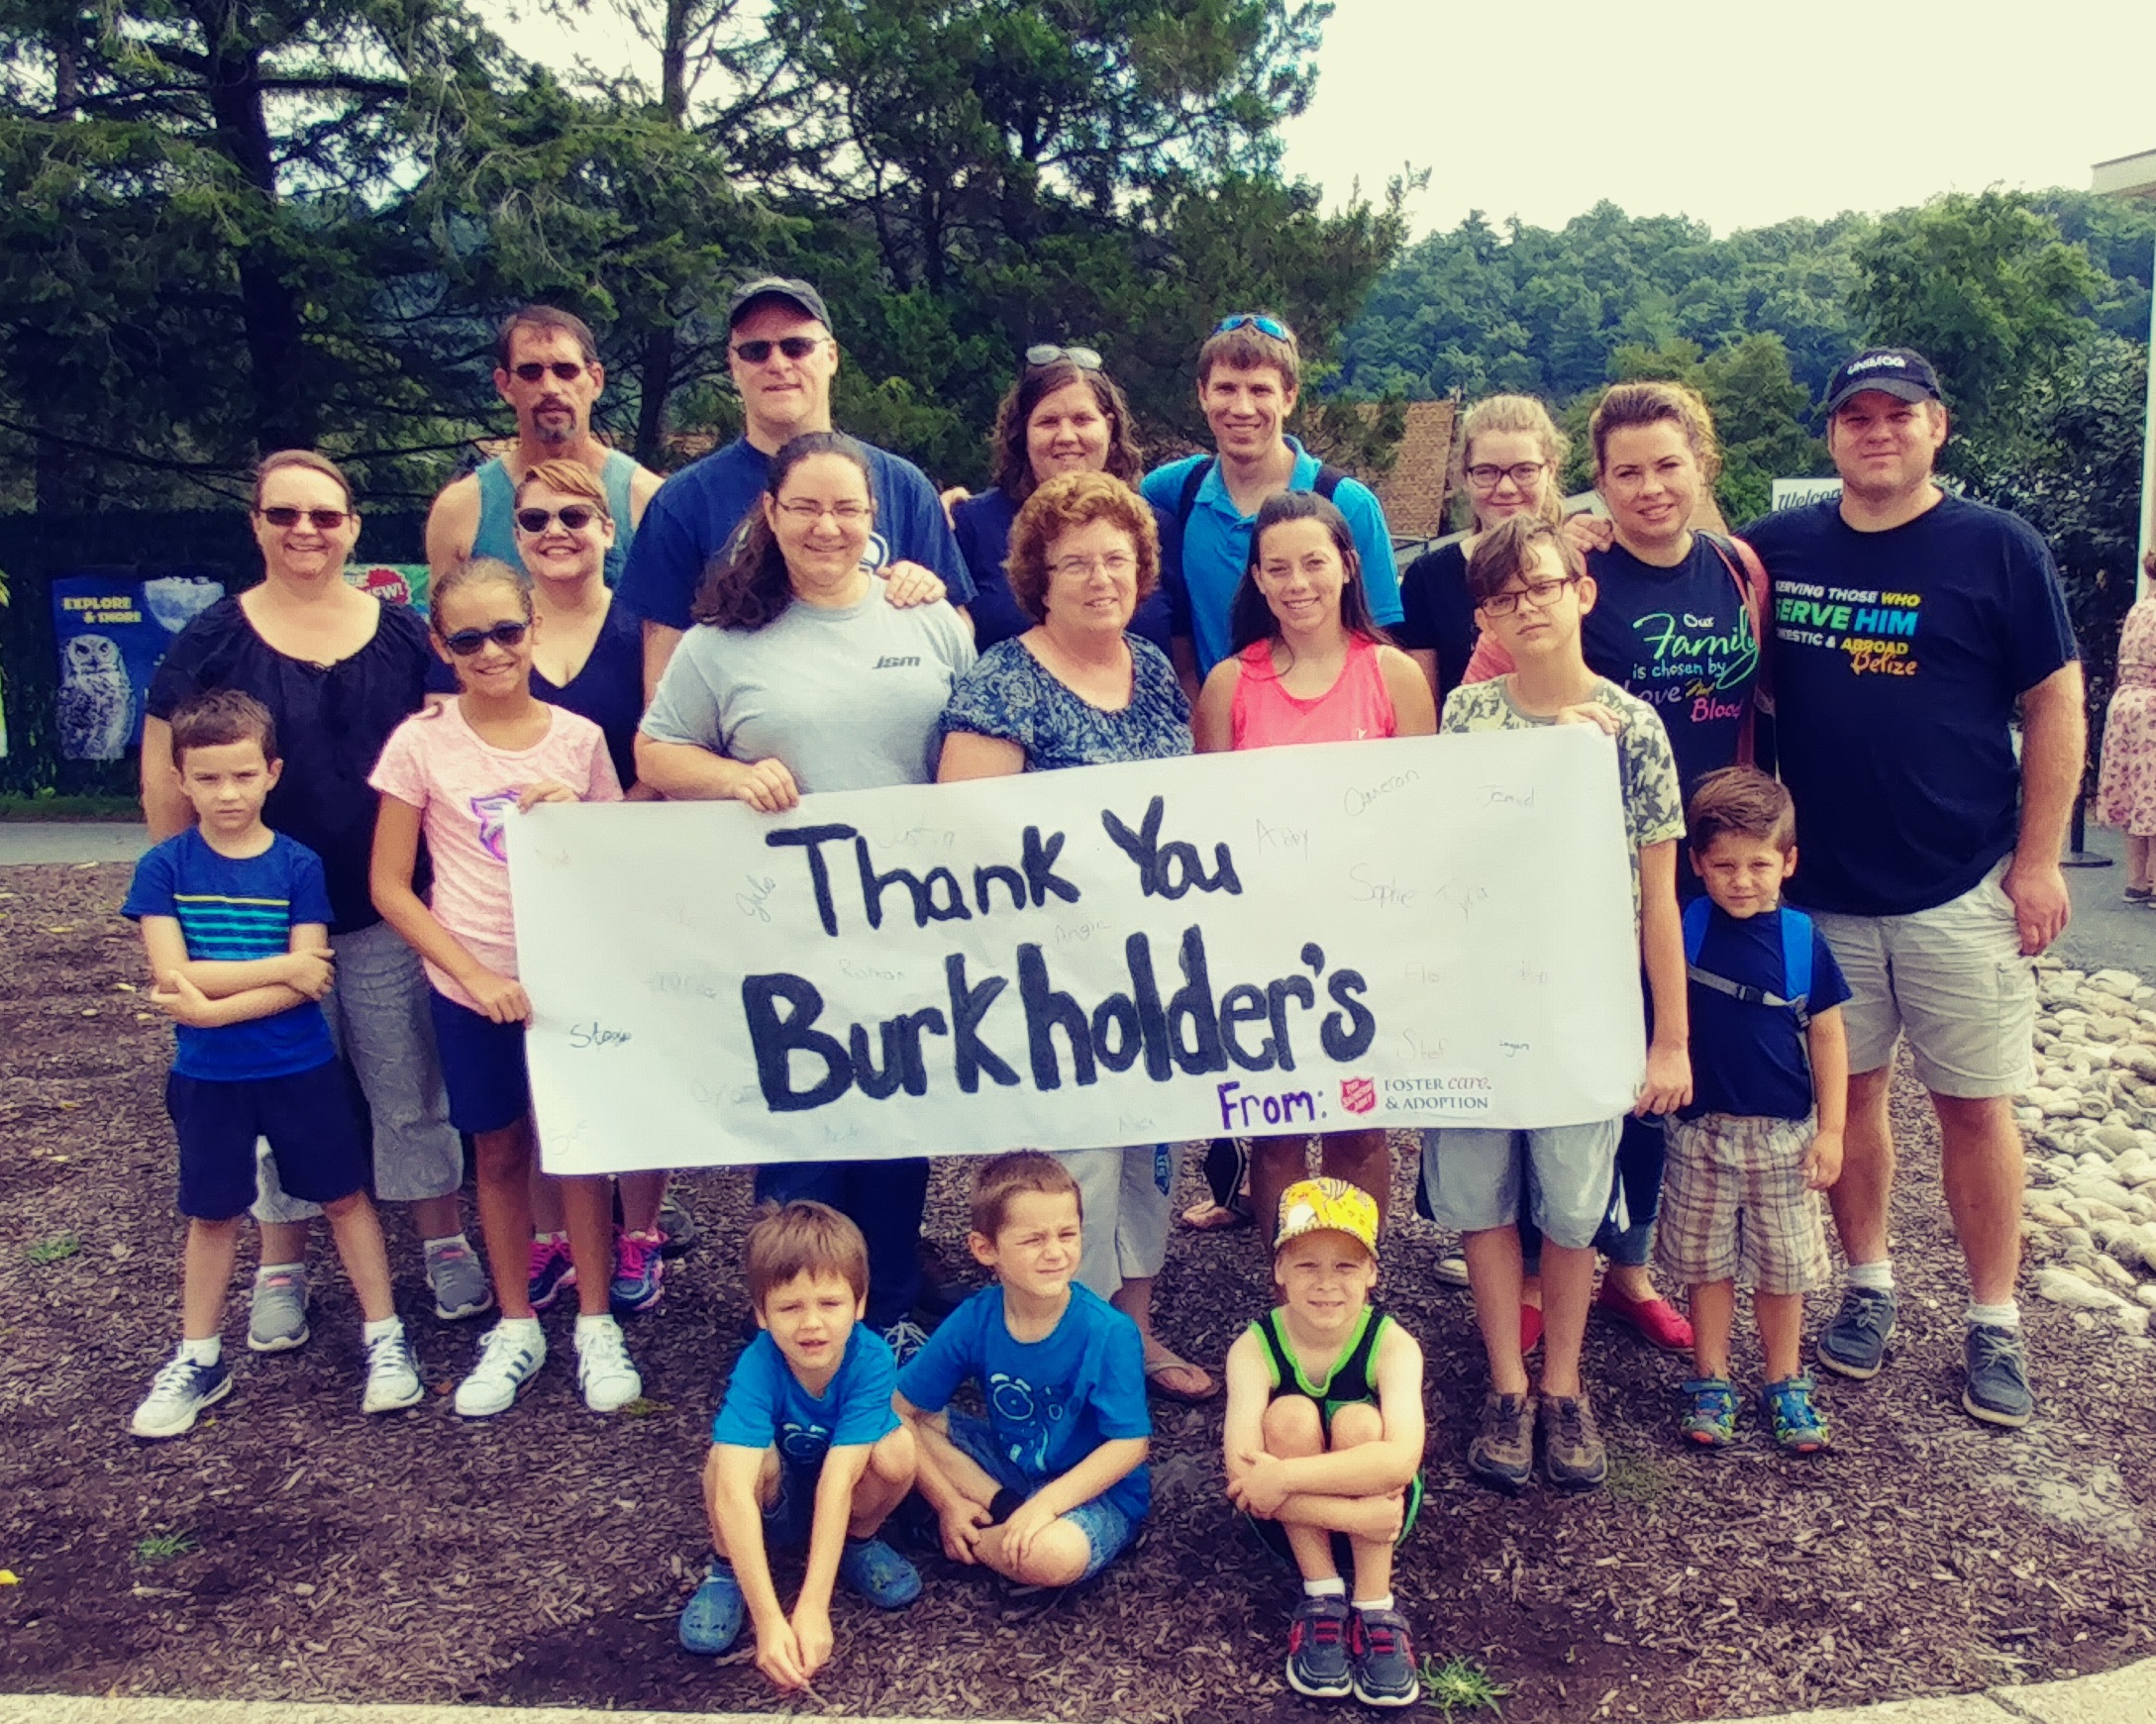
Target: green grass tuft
52,1251
163,1547
1639,1479
1459,1684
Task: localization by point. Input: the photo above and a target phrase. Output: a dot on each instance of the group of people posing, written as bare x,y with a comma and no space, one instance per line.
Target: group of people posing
799,612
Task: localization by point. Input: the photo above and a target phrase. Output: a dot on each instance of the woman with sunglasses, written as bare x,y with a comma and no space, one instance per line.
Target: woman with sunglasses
339,672
803,671
1063,415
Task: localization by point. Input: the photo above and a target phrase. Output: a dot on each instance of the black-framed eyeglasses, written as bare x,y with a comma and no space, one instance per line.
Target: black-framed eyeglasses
1256,319
321,520
1486,477
1542,594
575,516
466,642
532,371
1047,353
793,347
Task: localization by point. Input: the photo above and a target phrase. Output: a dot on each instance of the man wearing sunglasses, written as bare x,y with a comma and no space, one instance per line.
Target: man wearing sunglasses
547,368
783,359
1248,373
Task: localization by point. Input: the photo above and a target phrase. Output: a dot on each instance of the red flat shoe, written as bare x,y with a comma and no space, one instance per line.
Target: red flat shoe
1530,1329
1660,1323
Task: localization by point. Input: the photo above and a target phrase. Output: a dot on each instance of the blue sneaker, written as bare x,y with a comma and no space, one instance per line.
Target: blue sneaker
639,1270
1854,1345
878,1574
178,1397
711,1620
1710,1416
1998,1388
552,1272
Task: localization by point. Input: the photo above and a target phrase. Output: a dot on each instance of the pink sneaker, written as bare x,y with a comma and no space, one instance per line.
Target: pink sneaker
639,1273
551,1270
1658,1321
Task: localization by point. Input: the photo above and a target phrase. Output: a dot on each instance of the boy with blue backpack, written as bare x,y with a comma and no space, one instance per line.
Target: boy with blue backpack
1762,1136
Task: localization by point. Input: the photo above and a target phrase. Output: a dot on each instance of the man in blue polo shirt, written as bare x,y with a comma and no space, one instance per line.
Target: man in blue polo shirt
783,357
1248,373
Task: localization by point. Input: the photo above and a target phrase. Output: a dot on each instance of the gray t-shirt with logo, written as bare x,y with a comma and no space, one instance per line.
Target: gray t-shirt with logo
848,699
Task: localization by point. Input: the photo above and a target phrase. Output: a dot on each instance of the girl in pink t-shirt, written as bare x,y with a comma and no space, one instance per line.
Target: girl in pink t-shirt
1307,665
457,774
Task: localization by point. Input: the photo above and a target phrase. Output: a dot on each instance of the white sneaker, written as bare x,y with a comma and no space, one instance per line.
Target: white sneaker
177,1395
392,1375
603,1372
507,1363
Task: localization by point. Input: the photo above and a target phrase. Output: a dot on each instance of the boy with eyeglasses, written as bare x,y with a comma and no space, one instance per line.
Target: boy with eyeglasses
1531,593
1248,373
547,368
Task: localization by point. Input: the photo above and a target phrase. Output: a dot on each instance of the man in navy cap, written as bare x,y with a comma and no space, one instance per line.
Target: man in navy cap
1907,623
782,357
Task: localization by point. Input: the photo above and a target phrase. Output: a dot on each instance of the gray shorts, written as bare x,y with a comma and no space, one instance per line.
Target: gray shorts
378,1019
1475,1177
1953,979
1123,1195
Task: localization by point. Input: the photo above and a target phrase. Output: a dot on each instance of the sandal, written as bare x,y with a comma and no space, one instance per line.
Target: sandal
1161,1364
1211,1217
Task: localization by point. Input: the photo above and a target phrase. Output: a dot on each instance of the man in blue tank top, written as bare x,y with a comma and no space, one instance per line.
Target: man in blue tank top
547,368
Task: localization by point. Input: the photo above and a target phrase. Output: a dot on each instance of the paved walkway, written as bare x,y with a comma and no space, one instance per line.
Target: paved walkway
71,841
2125,1696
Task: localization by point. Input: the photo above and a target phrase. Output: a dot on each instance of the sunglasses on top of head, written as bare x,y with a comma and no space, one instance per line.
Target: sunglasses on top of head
532,371
1256,319
321,520
1047,353
793,347
575,516
466,642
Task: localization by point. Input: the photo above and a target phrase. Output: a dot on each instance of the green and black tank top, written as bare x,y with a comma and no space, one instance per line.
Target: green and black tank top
1348,1383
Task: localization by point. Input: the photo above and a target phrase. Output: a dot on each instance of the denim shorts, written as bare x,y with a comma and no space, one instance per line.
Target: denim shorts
483,1067
1108,1530
1478,1177
312,1122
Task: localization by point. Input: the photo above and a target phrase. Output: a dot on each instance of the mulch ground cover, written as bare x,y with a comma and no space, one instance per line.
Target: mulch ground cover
290,1548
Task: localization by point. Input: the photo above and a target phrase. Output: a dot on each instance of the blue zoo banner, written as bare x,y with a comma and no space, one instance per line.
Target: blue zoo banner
112,632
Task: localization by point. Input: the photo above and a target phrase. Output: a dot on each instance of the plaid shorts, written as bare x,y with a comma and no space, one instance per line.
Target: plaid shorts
1735,1205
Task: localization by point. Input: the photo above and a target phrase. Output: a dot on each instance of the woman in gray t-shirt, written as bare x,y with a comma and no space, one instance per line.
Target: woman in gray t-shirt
803,675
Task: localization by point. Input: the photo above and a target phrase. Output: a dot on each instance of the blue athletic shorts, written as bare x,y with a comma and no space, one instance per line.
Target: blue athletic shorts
313,1122
483,1067
1108,1530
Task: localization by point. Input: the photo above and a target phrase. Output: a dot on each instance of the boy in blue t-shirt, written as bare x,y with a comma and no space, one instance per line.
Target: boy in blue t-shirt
1762,1136
236,919
1051,1486
805,1451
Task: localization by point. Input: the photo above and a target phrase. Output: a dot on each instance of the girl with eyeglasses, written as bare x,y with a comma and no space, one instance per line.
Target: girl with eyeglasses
337,670
804,671
1063,415
456,775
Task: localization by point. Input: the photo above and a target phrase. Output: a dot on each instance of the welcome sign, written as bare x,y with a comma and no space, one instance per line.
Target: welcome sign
1426,931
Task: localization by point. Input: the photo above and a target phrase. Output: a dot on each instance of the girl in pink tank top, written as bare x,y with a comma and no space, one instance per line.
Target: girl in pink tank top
1308,666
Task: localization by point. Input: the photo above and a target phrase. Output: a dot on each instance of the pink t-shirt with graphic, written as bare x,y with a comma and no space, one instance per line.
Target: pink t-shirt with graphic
465,789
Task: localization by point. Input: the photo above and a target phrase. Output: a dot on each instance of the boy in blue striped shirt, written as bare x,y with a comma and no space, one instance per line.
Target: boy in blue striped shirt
235,919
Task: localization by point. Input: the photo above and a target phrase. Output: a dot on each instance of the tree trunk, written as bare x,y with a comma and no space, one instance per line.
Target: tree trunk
657,380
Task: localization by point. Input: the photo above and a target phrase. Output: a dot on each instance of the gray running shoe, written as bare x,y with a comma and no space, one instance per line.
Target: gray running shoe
1503,1450
279,1321
1854,1345
1998,1389
1572,1455
459,1282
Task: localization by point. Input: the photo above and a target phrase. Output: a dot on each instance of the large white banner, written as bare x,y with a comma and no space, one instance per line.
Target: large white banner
1416,932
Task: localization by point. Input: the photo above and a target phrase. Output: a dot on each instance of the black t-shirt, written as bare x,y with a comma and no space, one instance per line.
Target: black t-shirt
1898,659
1437,613
1752,1059
1681,640
332,721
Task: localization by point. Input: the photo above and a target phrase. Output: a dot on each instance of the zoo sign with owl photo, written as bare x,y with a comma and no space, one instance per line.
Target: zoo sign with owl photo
112,632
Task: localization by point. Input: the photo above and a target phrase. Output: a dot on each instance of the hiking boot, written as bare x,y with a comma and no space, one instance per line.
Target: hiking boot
878,1574
1658,1322
392,1375
1382,1660
639,1270
509,1358
552,1271
711,1620
905,1338
1502,1451
1998,1389
1572,1456
277,1321
1854,1345
459,1282
1712,1418
1798,1426
177,1395
603,1372
1317,1649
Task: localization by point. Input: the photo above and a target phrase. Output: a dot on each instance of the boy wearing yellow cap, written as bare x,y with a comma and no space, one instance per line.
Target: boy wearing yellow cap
1323,1441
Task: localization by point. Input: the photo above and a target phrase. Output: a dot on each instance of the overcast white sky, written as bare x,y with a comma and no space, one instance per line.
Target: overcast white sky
1737,114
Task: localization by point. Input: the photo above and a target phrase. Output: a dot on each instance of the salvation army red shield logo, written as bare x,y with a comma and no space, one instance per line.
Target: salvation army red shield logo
1358,1094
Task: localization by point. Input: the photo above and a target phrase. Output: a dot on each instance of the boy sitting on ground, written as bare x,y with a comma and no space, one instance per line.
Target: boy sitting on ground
1051,1486
1762,1136
805,1451
1323,1437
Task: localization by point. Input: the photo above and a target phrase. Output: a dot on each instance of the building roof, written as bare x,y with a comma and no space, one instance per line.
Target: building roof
1413,489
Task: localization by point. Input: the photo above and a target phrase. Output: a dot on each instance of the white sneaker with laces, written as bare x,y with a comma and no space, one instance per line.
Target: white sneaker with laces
392,1375
508,1361
177,1395
603,1371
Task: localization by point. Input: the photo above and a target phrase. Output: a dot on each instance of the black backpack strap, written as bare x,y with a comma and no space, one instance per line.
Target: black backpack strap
1172,548
1328,479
